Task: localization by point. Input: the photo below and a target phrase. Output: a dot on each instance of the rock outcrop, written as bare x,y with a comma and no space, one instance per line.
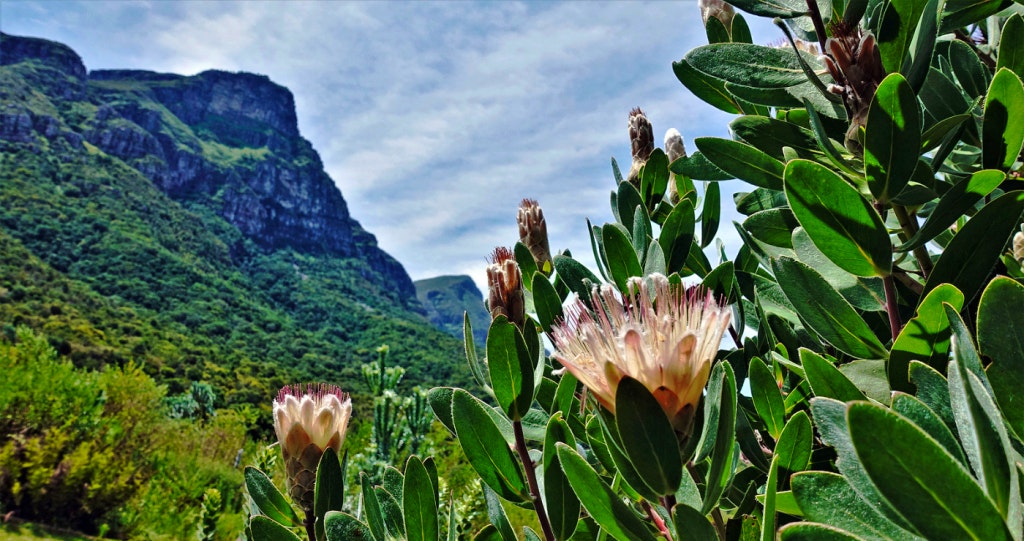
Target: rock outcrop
447,298
226,140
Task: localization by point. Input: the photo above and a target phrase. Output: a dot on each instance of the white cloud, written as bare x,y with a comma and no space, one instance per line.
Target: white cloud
434,119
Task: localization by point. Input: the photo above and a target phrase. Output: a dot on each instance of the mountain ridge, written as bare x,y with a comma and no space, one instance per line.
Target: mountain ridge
195,203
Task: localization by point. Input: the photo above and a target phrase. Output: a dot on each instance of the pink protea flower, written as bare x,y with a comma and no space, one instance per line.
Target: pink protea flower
505,287
309,419
665,339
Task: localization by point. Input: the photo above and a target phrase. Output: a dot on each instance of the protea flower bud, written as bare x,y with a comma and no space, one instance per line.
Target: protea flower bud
855,64
1018,247
717,9
666,341
641,138
533,232
308,419
675,150
505,287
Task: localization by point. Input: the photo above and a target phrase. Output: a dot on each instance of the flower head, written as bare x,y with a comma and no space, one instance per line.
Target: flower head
675,150
505,287
533,232
308,419
665,338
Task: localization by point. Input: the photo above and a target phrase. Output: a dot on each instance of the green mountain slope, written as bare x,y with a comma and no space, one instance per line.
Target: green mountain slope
183,222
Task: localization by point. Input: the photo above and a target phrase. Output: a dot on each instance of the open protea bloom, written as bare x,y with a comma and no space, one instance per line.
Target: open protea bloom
666,341
308,419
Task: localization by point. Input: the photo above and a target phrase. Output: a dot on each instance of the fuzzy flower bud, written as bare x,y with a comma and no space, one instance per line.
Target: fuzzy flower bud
1018,247
717,9
533,233
665,340
674,149
641,139
505,287
308,419
855,65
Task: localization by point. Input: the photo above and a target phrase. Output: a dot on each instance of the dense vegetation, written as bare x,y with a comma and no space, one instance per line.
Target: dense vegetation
144,334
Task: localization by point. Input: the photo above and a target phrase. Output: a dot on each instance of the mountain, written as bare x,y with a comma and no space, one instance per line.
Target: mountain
448,298
184,223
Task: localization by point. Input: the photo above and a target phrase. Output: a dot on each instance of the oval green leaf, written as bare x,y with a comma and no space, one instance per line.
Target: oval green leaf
892,136
481,441
921,480
840,222
647,437
268,498
1001,338
1002,132
742,161
419,503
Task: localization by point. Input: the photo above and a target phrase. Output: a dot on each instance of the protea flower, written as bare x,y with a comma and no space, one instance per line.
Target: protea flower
641,139
309,419
505,287
533,232
1018,246
665,339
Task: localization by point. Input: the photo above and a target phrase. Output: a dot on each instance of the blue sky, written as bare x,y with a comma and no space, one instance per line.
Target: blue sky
434,119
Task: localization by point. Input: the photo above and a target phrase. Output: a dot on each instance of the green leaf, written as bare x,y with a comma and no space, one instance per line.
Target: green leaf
488,533
599,500
828,498
561,503
793,448
830,421
927,485
926,419
893,134
953,204
344,527
841,223
440,399
268,499
627,199
394,522
654,177
933,390
865,294
895,30
329,493
1011,46
1002,133
647,437
925,337
784,9
809,531
750,65
677,235
510,367
622,260
371,507
479,437
576,277
771,136
1001,338
710,215
419,503
934,136
960,13
691,525
697,167
772,226
709,89
868,375
742,161
770,488
974,250
264,528
527,264
985,441
496,513
546,301
825,311
720,427
968,68
764,390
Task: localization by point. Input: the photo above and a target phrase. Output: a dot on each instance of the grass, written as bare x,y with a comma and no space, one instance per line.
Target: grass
16,530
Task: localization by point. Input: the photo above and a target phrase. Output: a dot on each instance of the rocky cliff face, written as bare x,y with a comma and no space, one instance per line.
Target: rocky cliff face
229,141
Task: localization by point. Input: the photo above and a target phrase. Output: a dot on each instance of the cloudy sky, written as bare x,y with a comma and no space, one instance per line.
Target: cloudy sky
434,119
